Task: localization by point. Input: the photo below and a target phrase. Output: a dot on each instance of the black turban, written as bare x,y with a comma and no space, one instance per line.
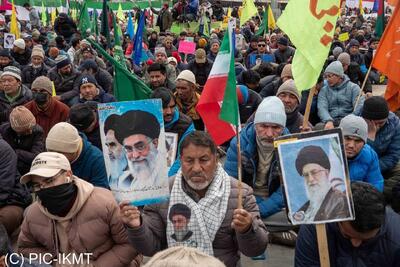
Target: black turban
180,209
312,154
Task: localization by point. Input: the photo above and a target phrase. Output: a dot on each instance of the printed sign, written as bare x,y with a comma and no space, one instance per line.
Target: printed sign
186,47
9,39
344,37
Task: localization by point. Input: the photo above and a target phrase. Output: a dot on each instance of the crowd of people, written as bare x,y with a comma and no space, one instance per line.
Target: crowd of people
54,189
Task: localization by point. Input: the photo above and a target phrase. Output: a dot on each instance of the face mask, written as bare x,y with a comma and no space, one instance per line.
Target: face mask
40,98
58,198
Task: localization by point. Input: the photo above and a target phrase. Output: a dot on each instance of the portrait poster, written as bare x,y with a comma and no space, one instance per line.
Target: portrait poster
315,177
133,140
171,143
9,39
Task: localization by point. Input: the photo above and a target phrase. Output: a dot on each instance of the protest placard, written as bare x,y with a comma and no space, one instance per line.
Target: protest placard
133,139
9,39
344,37
171,142
186,47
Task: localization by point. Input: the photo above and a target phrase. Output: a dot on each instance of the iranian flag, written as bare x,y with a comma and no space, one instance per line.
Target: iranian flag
218,104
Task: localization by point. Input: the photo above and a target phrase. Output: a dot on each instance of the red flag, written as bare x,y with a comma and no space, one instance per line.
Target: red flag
387,59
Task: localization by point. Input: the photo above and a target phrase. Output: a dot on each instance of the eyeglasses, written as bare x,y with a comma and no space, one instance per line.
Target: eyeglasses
138,147
46,182
312,173
261,45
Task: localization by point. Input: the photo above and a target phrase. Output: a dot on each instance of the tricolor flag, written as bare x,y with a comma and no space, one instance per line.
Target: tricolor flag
218,104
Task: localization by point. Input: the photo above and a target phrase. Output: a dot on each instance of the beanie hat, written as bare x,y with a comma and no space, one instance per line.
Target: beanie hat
353,125
12,71
312,154
287,71
172,59
38,52
375,108
20,43
214,41
22,119
35,34
335,68
63,138
271,110
344,58
336,51
81,116
289,87
202,42
354,42
180,256
42,82
200,56
88,64
87,78
187,75
242,93
5,53
160,50
62,61
283,41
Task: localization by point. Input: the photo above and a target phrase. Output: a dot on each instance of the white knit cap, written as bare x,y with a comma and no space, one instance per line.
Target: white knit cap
187,75
271,110
63,138
20,43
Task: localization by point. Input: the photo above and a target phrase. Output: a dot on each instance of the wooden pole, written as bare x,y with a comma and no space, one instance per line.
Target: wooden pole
322,245
308,106
239,166
362,87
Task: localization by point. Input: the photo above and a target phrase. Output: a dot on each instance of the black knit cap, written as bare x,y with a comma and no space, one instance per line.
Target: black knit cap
136,122
81,116
180,209
312,154
375,108
5,53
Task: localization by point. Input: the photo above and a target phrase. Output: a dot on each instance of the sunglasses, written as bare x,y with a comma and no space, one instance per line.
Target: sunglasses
261,45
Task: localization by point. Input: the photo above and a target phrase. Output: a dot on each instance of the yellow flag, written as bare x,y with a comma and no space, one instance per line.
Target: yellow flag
120,13
271,19
229,12
53,89
53,16
360,6
248,11
14,25
312,40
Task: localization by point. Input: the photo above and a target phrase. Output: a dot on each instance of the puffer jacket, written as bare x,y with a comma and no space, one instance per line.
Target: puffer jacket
29,74
365,167
65,86
94,228
335,103
379,251
24,58
387,143
102,97
248,144
151,237
5,106
201,71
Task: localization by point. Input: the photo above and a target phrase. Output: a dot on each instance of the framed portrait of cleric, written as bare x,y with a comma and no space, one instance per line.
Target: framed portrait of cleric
315,177
171,143
9,39
134,148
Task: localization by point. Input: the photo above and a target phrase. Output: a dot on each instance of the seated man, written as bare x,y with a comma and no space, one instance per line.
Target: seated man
362,159
102,76
373,239
219,227
73,214
86,160
89,90
158,77
384,138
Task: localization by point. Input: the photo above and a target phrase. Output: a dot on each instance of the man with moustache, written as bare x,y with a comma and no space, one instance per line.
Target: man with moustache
325,202
138,132
179,215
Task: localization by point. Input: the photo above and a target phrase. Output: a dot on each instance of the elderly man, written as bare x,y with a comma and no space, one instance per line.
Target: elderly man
138,132
338,97
325,202
219,227
362,160
36,68
69,207
284,53
290,97
214,49
21,53
89,90
158,77
384,138
187,98
372,239
47,110
87,160
14,93
162,58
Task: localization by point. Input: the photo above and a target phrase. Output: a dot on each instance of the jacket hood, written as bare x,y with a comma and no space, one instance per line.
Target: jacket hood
342,85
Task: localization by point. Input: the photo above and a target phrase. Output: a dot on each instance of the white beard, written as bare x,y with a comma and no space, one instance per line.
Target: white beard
316,195
181,233
143,170
117,167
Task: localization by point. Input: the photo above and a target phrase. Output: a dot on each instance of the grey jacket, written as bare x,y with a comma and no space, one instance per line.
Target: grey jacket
151,236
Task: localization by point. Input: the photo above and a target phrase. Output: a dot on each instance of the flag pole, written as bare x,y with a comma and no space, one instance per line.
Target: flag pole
362,86
239,166
308,106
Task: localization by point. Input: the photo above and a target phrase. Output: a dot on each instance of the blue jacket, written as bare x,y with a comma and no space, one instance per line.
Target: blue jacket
381,251
248,145
387,143
334,103
365,167
90,165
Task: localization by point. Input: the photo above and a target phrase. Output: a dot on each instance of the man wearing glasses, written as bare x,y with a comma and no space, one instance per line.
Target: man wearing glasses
324,202
262,54
138,132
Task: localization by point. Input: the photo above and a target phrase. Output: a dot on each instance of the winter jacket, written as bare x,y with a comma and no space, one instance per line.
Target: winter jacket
357,76
102,97
283,57
379,251
94,227
12,192
248,145
29,74
359,59
56,112
24,58
105,80
90,165
270,89
6,107
247,109
150,237
294,121
387,143
314,119
365,167
201,72
65,86
164,19
65,28
27,147
334,103
12,63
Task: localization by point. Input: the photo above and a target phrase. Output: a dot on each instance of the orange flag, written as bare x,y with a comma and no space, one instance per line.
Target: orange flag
392,2
387,59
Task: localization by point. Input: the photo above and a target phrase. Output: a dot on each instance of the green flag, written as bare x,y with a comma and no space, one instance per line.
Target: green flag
84,20
127,87
380,19
263,29
105,28
44,15
312,40
95,25
118,52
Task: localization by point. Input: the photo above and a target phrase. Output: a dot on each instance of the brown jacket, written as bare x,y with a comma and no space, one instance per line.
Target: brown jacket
151,236
94,227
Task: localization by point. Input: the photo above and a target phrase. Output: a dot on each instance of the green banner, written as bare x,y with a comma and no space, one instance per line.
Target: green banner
92,4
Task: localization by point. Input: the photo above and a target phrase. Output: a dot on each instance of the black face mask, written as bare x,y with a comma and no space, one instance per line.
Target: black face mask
40,98
57,199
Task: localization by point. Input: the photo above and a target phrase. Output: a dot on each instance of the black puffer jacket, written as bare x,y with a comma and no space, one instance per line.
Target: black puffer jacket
200,71
29,74
65,86
22,59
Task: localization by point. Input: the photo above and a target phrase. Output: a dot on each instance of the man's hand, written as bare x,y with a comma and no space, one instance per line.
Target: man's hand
372,129
130,215
329,125
242,220
305,129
